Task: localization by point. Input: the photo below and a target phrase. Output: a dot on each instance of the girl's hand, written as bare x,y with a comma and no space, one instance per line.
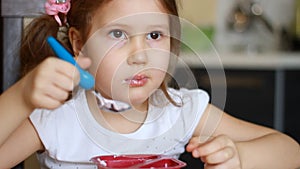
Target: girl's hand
217,153
49,84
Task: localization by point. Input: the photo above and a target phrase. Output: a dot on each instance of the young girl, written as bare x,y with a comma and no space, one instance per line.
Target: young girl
127,45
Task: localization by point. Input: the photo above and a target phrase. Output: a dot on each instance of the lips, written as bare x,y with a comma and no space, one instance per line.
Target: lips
137,81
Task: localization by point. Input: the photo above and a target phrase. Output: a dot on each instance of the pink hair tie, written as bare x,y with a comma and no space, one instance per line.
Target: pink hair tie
54,7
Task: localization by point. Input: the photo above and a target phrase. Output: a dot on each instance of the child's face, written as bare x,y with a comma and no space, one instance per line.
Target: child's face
130,49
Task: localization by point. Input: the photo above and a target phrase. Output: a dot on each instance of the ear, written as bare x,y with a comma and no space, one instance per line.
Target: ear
75,40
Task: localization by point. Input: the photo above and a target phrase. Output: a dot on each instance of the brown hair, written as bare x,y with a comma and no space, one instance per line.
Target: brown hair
34,48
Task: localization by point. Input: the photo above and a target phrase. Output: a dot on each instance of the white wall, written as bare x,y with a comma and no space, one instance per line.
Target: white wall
199,12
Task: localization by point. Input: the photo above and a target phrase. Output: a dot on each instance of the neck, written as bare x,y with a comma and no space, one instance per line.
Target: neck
122,122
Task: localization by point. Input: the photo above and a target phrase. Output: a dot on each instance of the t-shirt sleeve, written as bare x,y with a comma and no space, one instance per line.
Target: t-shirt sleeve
55,127
196,102
44,124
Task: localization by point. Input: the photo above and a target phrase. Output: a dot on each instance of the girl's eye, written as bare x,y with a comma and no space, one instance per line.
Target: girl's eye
117,34
154,35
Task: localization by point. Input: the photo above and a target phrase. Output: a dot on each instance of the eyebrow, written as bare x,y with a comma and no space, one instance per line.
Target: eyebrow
152,26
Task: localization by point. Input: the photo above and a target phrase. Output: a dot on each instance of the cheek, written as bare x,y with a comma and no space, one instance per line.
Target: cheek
96,53
103,80
104,75
159,76
159,59
98,48
108,74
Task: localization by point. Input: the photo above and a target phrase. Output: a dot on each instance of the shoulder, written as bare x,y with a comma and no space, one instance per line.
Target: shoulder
52,125
182,97
194,105
48,122
60,114
187,95
194,93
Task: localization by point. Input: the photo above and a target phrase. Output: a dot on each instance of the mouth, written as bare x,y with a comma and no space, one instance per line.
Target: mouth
137,80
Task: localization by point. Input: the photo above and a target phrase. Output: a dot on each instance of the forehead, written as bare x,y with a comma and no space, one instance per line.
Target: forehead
131,12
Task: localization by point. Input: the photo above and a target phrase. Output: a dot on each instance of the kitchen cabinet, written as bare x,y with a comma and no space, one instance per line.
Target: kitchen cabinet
268,81
292,111
249,94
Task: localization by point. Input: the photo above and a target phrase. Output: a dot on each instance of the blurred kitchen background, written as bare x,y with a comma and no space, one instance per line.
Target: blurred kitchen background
257,42
247,25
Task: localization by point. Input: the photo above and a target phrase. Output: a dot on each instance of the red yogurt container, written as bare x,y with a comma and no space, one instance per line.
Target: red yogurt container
137,161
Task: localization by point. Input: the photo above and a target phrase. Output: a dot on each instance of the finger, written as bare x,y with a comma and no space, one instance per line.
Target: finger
195,142
62,75
42,100
68,70
219,157
57,93
54,85
226,165
65,83
61,67
83,62
213,145
70,78
50,103
211,166
48,89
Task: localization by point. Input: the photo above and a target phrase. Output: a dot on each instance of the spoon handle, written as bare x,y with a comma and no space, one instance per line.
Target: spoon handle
87,81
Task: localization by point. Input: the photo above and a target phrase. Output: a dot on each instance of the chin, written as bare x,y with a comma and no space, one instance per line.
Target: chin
138,100
138,97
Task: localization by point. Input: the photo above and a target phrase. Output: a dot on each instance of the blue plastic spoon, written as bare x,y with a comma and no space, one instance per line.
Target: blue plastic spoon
87,81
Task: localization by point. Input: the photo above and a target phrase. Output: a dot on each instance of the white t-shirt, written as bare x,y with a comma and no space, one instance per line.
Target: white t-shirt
72,136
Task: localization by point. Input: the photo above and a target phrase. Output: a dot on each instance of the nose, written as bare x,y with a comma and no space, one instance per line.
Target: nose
137,54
